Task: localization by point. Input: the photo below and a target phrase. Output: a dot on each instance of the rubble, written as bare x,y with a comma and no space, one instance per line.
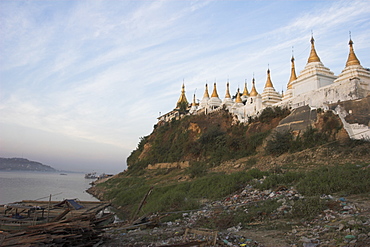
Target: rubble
345,222
342,224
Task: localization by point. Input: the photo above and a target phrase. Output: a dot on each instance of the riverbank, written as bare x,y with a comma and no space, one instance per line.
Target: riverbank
347,223
321,206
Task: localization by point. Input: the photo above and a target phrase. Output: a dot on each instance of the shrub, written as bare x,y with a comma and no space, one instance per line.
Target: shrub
280,143
251,162
307,208
347,179
197,169
312,137
270,113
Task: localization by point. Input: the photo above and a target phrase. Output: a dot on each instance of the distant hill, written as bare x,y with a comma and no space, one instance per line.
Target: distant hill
20,164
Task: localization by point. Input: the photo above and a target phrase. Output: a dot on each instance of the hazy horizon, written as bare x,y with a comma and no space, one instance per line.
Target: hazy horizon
82,81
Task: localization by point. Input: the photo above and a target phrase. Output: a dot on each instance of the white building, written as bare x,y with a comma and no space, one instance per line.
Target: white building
315,86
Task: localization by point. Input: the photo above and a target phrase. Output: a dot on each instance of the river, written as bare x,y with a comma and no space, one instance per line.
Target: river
20,185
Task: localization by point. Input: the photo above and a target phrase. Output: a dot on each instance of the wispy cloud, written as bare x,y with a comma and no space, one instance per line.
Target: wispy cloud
102,71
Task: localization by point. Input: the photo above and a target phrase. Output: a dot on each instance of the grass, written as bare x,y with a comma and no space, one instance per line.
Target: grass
345,179
308,207
127,192
242,216
170,195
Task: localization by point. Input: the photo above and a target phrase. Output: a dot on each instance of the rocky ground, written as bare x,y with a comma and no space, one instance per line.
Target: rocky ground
345,223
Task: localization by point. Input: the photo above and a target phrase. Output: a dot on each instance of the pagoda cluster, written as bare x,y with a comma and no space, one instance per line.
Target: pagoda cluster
315,86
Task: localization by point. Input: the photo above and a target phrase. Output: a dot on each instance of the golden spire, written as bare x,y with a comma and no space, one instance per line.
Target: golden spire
268,81
293,75
245,92
238,98
313,55
352,59
214,93
194,103
253,91
206,95
227,91
182,96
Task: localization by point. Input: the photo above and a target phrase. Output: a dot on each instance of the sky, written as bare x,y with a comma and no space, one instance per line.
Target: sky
82,81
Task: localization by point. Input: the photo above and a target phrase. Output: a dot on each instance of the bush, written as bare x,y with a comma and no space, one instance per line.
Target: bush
197,169
346,179
270,113
280,143
307,208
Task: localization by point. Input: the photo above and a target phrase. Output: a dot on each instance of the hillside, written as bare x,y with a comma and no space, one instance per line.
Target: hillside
210,139
275,175
20,164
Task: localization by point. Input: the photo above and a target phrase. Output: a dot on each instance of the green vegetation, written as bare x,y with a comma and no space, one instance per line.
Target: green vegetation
207,141
213,144
344,179
270,113
242,216
308,207
128,191
282,142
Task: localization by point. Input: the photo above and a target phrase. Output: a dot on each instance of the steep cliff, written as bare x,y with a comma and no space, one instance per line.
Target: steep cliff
212,139
201,158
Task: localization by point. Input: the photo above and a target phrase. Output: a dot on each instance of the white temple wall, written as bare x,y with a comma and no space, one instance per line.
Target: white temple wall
355,131
340,91
310,84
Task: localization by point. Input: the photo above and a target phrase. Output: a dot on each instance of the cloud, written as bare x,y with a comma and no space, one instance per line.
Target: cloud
102,71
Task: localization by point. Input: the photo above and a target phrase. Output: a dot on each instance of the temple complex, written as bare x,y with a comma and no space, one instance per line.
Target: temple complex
316,86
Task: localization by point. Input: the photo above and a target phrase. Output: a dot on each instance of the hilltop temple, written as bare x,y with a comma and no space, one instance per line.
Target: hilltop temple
315,86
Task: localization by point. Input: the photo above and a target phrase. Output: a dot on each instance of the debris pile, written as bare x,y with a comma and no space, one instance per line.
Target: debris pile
346,224
343,223
79,231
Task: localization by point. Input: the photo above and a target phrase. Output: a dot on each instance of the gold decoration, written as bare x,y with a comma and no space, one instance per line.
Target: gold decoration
293,75
352,59
313,55
253,91
268,81
214,94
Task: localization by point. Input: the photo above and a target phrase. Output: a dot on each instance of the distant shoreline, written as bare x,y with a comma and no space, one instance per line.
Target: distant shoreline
34,171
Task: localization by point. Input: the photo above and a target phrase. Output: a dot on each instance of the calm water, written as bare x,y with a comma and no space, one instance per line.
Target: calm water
17,186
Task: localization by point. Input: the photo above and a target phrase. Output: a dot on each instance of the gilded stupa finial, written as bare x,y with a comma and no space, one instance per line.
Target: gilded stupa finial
214,93
182,96
227,90
253,91
238,98
245,92
293,75
352,59
268,81
206,95
313,55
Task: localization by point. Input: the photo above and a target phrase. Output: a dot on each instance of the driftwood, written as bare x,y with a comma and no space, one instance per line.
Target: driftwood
76,231
65,233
